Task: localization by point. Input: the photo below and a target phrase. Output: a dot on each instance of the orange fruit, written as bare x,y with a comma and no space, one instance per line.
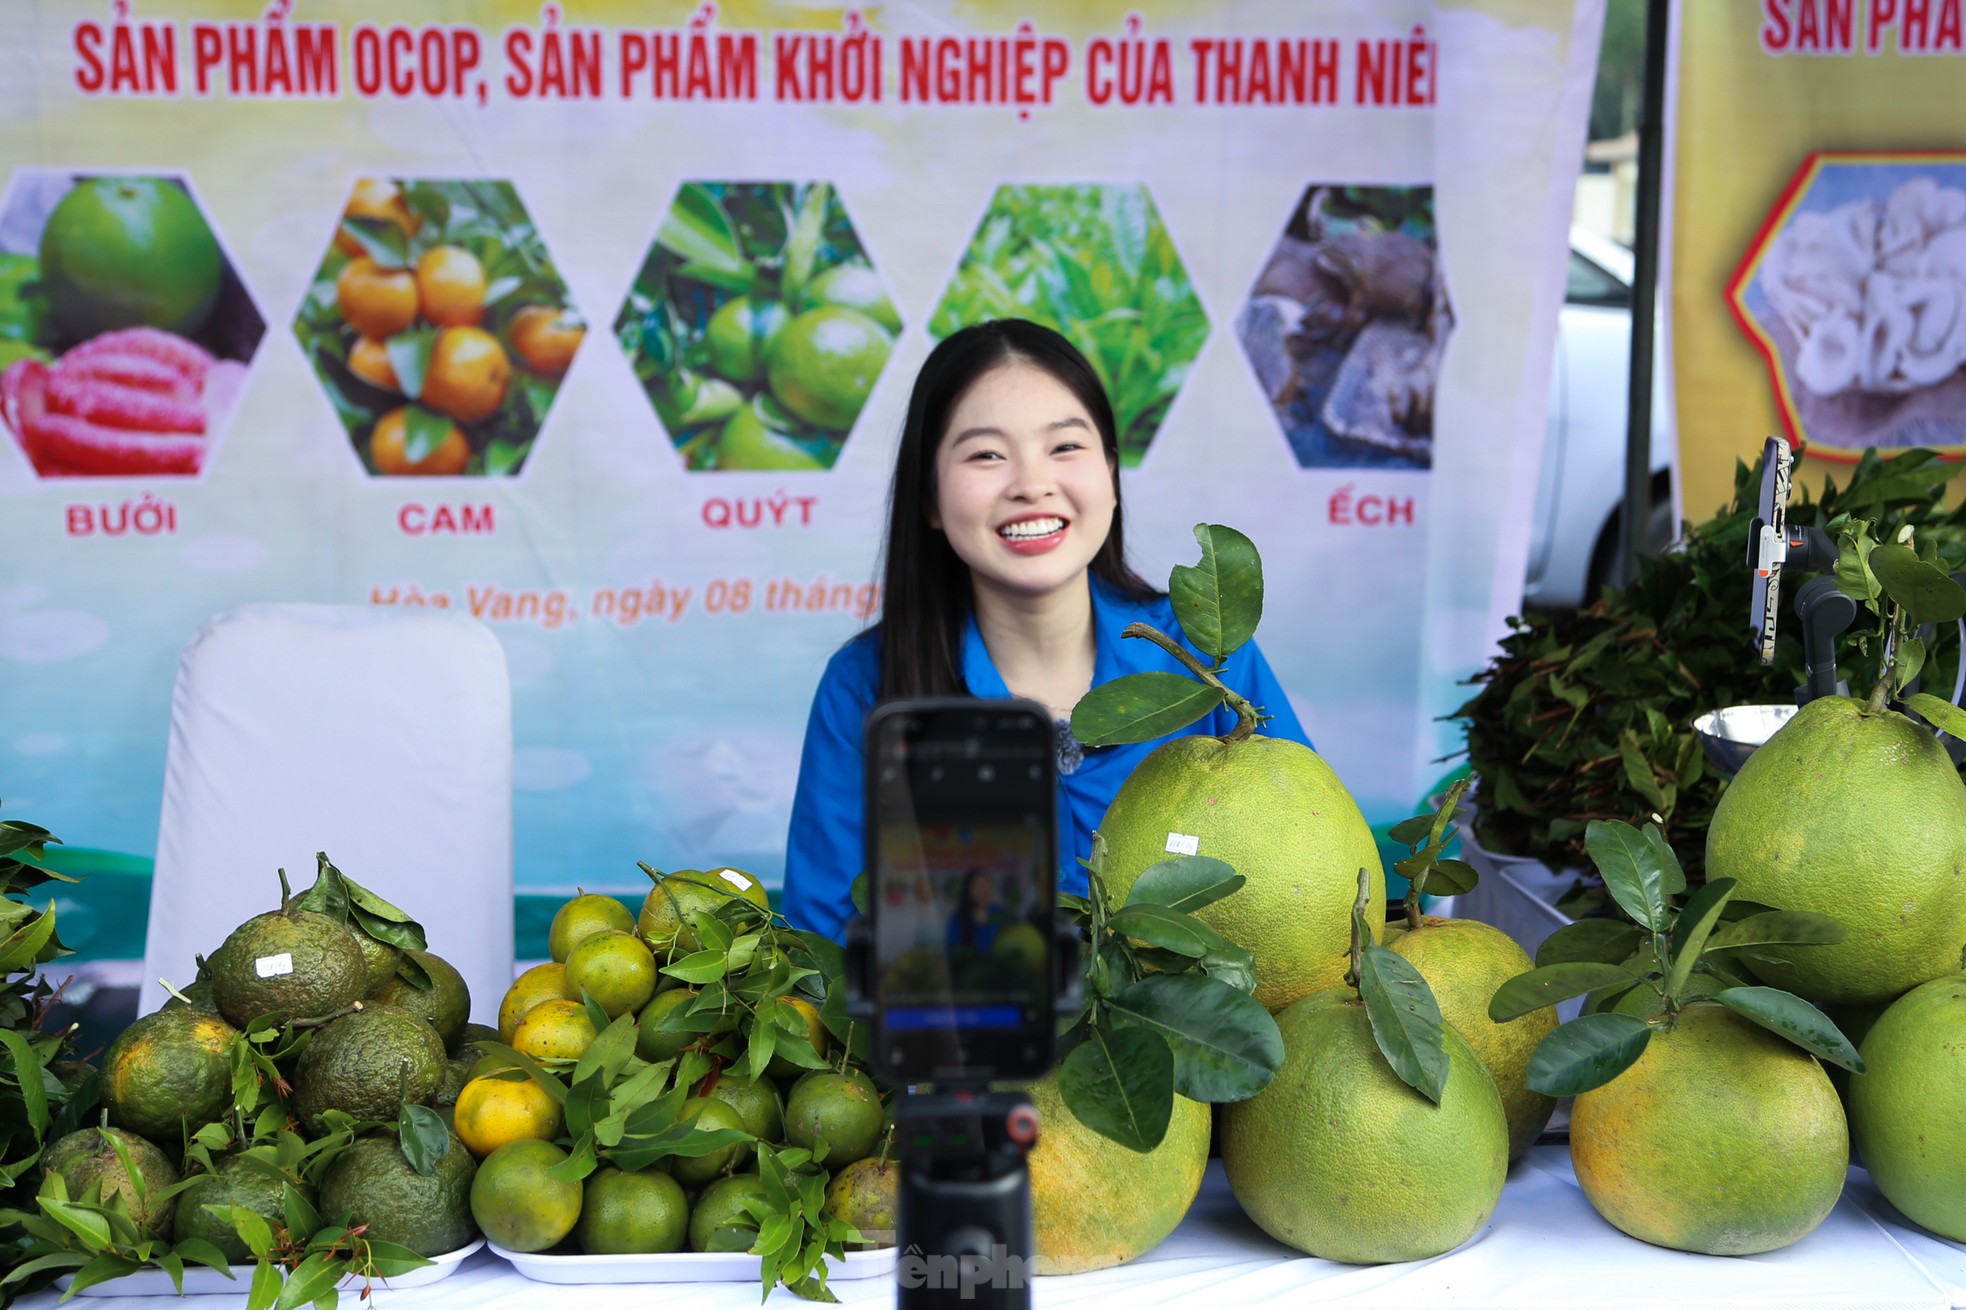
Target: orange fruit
389,449
368,359
822,364
625,1213
507,1106
468,374
740,333
121,252
376,301
841,1109
555,1030
706,1114
451,282
582,917
376,197
545,339
867,1194
542,982
517,1202
613,967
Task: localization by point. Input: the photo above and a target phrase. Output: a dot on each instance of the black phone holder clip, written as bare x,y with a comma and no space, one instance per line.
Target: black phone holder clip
963,1213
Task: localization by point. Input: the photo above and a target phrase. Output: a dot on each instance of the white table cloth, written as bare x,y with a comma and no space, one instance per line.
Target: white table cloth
1544,1248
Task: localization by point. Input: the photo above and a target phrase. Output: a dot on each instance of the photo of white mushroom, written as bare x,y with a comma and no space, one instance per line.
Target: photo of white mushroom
1345,326
1859,299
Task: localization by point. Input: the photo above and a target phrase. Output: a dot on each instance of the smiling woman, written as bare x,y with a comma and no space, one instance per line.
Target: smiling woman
1004,575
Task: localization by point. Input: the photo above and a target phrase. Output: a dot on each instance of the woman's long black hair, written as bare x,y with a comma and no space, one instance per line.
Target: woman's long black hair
925,594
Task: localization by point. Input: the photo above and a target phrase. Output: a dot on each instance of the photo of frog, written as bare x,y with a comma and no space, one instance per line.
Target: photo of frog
1346,324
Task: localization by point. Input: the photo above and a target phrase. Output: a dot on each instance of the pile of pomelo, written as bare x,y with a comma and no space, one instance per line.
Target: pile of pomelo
622,977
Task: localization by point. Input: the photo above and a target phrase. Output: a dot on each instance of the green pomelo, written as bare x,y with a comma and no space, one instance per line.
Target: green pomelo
1276,813
720,1220
1339,1158
368,1065
1464,961
1095,1203
239,1181
379,961
373,1182
445,1003
92,1169
120,252
1908,1108
169,1073
1723,1139
1862,817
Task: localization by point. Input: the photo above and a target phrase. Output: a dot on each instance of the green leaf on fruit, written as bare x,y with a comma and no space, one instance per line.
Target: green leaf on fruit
1778,928
1405,1020
409,358
1587,1053
1693,929
1219,601
1787,1015
1926,592
424,1138
1140,707
1941,714
1551,983
1632,871
1598,941
1119,1082
697,230
1226,1046
380,239
424,430
1186,883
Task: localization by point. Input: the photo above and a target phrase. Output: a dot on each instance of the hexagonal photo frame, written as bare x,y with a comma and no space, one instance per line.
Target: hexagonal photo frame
125,330
1346,324
757,325
1854,292
1095,263
438,327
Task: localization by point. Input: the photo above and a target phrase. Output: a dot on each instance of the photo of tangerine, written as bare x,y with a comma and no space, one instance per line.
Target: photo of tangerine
124,331
439,327
757,325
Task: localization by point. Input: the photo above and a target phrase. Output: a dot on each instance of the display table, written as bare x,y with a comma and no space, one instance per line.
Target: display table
1544,1248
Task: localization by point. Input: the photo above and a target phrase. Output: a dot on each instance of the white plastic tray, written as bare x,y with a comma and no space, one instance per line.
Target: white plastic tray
202,1281
680,1267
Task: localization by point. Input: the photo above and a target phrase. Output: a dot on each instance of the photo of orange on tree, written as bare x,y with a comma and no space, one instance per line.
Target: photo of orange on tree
439,327
757,325
124,330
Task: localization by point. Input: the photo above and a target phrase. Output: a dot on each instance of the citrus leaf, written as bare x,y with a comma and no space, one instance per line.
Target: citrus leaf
699,968
1778,928
409,358
1669,866
1168,929
580,1161
1219,600
1140,707
388,1259
1186,882
1119,1082
1226,1046
1586,1053
1694,929
1597,941
1631,870
1926,592
802,245
27,1075
424,1138
266,1286
423,431
1910,662
380,239
100,1270
609,1053
1450,878
91,1227
1941,714
1405,1020
1790,1016
1550,983
697,230
1410,832
311,1280
198,1251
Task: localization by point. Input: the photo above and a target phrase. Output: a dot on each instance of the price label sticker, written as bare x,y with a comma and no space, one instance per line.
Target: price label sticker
1180,843
734,878
274,966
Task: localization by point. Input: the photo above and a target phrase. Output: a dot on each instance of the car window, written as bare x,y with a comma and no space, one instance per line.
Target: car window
1590,285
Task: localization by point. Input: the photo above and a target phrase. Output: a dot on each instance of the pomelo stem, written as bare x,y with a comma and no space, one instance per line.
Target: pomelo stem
286,892
1246,719
1364,899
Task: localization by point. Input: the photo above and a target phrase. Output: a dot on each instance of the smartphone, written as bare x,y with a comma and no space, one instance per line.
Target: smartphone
962,840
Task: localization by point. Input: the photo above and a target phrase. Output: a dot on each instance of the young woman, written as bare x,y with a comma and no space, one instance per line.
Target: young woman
1004,574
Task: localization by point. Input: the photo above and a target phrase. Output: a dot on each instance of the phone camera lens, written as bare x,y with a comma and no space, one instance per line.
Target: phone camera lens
985,773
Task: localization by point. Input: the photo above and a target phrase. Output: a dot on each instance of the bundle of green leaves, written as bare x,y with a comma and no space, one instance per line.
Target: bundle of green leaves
1589,715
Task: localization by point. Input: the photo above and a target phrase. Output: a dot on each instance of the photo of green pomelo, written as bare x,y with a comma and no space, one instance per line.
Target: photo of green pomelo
1723,1139
1340,1159
120,252
1908,1107
1862,817
1464,961
1277,814
1095,1203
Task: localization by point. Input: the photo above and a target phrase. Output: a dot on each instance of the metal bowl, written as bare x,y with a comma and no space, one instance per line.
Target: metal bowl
1731,735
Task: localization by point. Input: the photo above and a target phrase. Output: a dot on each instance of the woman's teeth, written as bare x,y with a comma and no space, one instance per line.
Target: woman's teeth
1026,529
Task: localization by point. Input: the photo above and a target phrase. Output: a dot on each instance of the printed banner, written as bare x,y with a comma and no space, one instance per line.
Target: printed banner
1818,232
597,321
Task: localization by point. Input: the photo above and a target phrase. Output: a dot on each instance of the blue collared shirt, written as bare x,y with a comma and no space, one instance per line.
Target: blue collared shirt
824,851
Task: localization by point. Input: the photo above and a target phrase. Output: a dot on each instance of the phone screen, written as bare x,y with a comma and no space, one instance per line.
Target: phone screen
962,834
